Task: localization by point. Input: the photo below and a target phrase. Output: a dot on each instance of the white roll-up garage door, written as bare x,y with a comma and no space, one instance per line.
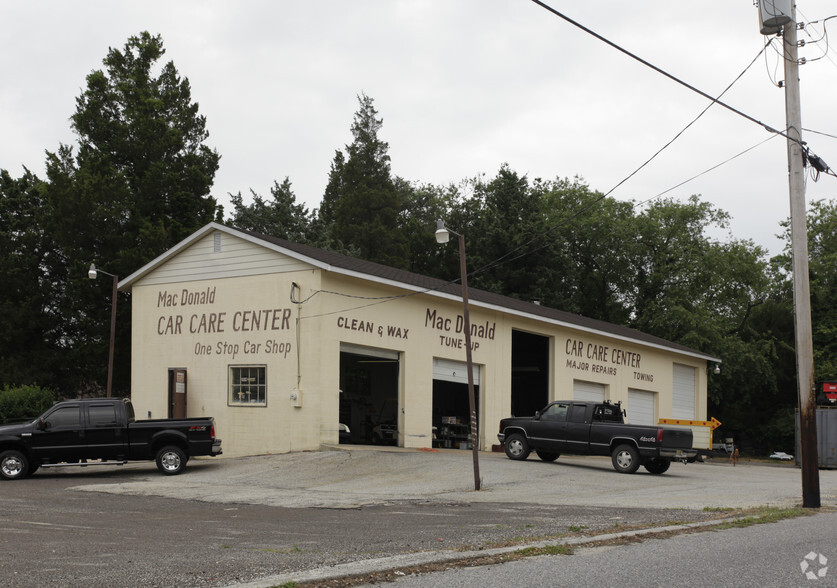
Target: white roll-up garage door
640,407
683,405
588,391
448,370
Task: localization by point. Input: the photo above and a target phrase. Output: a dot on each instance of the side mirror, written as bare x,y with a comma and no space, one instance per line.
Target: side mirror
41,424
537,415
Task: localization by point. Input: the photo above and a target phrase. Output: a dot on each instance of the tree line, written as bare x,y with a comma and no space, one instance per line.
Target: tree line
140,177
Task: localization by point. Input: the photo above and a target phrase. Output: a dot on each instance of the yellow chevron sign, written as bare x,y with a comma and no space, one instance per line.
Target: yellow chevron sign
713,424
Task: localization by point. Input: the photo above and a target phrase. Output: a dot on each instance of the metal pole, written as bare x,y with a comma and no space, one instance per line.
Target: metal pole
801,287
112,336
475,438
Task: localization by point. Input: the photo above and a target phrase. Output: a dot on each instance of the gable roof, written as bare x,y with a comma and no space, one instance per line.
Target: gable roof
376,272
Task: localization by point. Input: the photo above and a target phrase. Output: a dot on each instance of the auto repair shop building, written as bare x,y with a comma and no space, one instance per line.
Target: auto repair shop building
283,342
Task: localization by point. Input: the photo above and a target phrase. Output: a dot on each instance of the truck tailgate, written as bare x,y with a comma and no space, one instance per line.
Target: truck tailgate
677,438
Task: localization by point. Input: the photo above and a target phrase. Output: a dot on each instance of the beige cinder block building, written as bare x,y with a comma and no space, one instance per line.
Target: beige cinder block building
286,345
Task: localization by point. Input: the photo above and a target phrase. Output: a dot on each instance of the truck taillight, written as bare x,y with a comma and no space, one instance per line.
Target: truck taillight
659,435
212,431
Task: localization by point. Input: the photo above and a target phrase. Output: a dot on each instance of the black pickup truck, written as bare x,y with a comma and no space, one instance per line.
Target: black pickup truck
591,428
102,431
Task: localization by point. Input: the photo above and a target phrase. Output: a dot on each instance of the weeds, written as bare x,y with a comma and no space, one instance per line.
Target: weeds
547,550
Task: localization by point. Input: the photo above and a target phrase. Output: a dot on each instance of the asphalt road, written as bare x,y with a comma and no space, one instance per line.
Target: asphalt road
799,552
229,521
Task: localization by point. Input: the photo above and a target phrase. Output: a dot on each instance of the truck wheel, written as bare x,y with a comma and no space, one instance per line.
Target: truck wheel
516,447
657,465
171,460
625,459
547,456
13,465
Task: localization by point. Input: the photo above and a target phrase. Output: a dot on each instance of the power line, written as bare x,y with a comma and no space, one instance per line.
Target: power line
823,37
716,100
657,69
506,257
707,170
817,163
819,133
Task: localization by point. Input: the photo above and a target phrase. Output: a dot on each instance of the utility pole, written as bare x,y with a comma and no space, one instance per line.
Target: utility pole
801,287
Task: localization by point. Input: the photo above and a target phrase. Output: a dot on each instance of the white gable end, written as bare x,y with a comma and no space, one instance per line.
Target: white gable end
221,255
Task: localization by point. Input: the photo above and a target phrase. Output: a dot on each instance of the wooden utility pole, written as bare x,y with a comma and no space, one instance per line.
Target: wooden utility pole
801,287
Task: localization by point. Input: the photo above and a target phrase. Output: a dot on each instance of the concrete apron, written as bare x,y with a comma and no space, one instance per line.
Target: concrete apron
354,476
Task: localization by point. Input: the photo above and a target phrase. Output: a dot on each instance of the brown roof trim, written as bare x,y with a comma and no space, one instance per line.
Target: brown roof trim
481,297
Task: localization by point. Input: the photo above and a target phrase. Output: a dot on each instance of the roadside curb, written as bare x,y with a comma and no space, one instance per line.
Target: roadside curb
405,560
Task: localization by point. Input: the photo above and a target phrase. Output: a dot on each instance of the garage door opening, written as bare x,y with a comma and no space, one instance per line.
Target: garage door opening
369,395
451,406
530,373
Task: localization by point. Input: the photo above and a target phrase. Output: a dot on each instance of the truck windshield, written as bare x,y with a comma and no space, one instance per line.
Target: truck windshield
555,412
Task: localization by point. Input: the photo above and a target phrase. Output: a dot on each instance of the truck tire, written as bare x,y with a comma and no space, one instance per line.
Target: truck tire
657,465
625,459
13,465
171,460
547,456
517,447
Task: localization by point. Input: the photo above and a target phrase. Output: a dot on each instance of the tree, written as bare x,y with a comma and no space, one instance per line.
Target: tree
282,217
505,239
143,136
361,205
590,238
423,205
139,183
27,272
822,271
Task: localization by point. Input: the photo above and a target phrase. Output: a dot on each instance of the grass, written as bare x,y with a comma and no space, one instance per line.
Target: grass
765,514
547,550
577,528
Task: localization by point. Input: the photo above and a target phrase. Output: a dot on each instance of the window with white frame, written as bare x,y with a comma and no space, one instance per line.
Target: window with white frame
248,385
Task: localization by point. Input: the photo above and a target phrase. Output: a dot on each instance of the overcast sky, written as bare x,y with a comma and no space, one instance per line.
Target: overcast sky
462,86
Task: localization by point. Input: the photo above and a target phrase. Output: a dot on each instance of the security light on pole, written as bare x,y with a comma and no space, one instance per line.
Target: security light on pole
92,273
443,236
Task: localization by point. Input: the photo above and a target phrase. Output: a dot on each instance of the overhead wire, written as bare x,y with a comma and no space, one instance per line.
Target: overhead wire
507,257
823,37
661,71
714,101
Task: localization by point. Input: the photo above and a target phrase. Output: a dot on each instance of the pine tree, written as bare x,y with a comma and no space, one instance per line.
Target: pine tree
282,217
361,206
140,182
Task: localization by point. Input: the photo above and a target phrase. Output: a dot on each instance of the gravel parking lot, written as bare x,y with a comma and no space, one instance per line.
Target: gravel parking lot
257,520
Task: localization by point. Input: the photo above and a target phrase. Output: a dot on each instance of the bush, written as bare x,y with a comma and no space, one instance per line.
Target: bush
23,403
